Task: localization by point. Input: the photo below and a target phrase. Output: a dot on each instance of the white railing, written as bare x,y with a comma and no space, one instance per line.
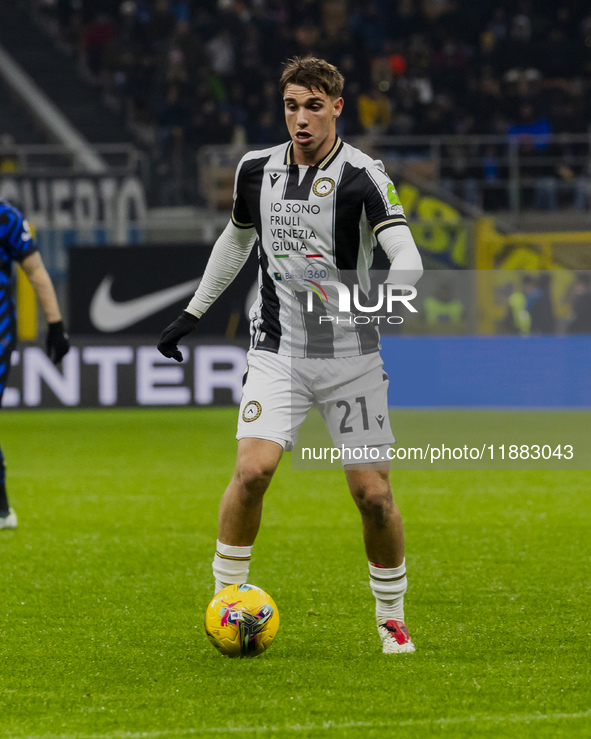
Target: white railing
512,172
57,160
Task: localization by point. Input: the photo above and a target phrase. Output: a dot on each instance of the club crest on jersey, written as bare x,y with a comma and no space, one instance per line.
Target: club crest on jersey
323,187
252,410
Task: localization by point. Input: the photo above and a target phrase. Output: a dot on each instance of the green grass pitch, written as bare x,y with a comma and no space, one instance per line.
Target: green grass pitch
104,585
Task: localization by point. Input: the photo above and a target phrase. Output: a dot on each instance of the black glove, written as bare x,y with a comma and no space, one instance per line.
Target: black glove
58,341
170,337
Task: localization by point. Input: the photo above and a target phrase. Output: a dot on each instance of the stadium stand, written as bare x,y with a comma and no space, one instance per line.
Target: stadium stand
434,67
56,76
183,74
16,126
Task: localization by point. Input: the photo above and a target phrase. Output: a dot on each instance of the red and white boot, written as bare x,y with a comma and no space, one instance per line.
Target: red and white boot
395,638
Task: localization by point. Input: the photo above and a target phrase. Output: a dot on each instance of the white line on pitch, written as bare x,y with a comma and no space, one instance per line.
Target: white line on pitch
325,726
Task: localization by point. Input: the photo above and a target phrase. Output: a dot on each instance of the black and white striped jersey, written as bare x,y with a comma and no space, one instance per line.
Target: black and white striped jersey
314,223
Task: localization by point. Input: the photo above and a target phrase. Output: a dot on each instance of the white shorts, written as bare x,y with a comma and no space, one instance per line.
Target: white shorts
351,394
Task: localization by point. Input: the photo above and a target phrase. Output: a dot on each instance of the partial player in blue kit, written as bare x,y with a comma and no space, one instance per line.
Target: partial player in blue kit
17,245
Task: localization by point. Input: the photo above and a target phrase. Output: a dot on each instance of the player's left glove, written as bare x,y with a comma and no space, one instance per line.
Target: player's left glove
58,341
170,337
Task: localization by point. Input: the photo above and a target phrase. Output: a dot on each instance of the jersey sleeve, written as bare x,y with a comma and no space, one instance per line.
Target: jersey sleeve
16,234
382,203
241,216
227,258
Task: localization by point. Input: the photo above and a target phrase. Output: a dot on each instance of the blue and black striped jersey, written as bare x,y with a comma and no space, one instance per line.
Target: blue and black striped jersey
16,243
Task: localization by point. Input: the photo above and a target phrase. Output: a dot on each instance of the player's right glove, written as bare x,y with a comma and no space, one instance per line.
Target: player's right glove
168,344
58,341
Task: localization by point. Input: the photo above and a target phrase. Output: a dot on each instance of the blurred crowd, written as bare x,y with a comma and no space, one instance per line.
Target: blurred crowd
193,72
531,306
416,67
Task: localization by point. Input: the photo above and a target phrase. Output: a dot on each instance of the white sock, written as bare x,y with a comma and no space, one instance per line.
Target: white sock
230,565
388,584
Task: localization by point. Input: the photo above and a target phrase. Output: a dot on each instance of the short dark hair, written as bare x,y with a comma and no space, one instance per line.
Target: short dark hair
310,72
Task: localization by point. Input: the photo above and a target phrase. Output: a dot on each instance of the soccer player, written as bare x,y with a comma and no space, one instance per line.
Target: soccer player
315,206
17,245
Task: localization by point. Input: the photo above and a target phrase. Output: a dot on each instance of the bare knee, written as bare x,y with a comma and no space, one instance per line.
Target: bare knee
375,503
253,477
256,462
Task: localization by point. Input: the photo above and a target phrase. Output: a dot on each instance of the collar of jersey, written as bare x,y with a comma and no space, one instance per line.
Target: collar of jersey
326,162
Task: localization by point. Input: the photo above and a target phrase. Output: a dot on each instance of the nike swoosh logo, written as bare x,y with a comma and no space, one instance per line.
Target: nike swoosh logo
108,315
